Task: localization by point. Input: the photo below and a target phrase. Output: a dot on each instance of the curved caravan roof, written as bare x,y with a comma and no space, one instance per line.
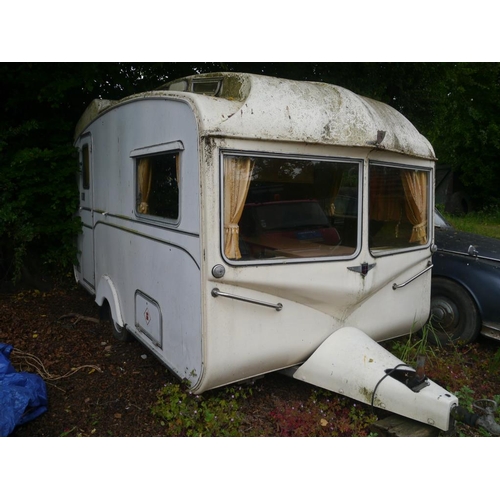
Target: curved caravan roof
268,108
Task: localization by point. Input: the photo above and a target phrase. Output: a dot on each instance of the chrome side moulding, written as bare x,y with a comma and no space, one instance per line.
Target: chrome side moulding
217,293
428,268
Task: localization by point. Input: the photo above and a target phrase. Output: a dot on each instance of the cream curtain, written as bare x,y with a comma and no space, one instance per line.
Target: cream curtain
415,187
144,176
237,178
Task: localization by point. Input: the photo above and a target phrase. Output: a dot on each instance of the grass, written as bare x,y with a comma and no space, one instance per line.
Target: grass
410,347
485,222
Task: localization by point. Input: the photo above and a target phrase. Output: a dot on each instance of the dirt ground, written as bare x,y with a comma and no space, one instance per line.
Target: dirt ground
98,386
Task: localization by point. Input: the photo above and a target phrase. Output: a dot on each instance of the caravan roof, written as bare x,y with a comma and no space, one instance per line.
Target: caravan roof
256,106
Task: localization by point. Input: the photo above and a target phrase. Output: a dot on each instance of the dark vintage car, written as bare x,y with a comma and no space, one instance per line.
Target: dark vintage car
465,285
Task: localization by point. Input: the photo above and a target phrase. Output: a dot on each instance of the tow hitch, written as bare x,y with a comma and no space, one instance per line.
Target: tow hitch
484,417
351,363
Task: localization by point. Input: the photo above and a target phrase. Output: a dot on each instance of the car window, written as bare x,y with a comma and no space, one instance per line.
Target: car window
439,220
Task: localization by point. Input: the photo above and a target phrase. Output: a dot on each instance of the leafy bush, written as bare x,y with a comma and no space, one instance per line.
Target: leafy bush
38,198
40,104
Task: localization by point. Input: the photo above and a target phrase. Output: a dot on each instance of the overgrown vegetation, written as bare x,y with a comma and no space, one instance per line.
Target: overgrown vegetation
414,345
444,366
485,221
186,414
228,412
324,414
37,206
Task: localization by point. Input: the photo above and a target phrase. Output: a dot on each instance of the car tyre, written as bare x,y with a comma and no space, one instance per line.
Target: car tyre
454,314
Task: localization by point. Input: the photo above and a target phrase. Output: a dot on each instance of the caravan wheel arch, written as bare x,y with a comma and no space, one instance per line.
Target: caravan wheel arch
106,291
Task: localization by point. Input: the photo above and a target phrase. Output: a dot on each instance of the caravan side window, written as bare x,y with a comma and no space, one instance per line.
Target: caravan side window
157,181
289,208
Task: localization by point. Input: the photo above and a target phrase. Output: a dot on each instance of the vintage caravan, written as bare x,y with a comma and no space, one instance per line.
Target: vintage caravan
239,224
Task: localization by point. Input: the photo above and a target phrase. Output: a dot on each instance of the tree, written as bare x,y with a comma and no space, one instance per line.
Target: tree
41,104
466,128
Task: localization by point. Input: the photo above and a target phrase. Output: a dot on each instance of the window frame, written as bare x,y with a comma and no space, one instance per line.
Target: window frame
402,166
170,148
356,161
86,166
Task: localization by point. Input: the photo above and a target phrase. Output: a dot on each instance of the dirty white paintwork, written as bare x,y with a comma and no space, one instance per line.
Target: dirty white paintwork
315,113
138,257
304,112
213,341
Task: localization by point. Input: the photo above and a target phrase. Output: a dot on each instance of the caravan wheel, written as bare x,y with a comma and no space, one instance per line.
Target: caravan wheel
120,333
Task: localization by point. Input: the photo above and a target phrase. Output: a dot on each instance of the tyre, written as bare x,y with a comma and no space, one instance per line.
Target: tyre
454,314
119,332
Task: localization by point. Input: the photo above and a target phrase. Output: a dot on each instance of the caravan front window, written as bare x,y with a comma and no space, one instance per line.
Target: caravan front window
398,205
289,208
157,180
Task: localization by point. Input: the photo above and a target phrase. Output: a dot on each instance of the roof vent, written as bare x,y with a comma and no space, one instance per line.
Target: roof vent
206,86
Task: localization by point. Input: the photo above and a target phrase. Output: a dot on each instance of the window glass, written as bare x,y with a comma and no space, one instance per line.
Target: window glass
158,185
288,208
398,207
85,167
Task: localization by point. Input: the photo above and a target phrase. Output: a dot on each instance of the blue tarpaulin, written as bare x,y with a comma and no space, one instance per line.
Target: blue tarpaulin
23,396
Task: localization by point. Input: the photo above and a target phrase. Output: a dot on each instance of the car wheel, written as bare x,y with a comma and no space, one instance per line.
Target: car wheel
454,314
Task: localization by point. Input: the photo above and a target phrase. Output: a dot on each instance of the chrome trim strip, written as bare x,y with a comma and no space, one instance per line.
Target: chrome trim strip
464,254
428,268
217,293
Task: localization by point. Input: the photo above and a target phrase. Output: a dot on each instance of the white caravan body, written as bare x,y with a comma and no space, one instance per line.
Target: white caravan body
239,224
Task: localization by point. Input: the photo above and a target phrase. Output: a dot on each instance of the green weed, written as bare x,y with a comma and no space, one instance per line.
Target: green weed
466,400
213,414
465,397
413,345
